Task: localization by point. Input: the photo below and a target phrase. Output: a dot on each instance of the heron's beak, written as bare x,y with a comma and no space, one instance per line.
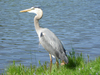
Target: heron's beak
26,10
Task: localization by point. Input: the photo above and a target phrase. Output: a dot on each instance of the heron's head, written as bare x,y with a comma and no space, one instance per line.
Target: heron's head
36,10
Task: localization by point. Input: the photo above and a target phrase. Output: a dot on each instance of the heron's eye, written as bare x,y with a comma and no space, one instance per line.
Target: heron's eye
32,8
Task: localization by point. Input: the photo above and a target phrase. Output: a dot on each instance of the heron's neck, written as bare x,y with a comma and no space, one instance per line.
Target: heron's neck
36,20
36,24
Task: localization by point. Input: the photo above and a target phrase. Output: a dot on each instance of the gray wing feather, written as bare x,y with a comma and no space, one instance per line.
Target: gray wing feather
51,43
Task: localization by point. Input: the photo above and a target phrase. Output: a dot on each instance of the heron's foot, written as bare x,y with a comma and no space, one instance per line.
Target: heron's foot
63,63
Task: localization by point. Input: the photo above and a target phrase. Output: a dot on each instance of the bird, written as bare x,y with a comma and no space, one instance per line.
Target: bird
48,39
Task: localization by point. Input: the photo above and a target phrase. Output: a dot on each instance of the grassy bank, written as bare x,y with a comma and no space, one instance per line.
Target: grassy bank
76,66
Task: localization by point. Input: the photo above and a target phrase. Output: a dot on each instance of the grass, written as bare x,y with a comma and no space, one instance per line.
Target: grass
76,66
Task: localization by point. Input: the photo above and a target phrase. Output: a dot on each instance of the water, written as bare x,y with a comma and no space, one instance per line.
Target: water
75,22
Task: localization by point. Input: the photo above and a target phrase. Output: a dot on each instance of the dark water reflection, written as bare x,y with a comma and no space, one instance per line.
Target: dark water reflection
76,23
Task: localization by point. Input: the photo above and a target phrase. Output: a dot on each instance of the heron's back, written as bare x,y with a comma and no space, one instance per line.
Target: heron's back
52,44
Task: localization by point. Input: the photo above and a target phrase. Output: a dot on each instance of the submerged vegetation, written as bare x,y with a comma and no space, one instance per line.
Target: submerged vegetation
76,66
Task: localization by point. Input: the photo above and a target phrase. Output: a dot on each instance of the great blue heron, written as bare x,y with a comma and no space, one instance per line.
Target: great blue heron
48,39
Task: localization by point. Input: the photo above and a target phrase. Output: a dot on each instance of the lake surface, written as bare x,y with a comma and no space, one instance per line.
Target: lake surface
75,22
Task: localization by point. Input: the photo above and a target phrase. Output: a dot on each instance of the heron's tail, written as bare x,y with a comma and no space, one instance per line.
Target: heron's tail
66,59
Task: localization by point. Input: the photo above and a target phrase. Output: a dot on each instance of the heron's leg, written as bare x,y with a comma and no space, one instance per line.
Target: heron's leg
57,63
50,62
63,63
